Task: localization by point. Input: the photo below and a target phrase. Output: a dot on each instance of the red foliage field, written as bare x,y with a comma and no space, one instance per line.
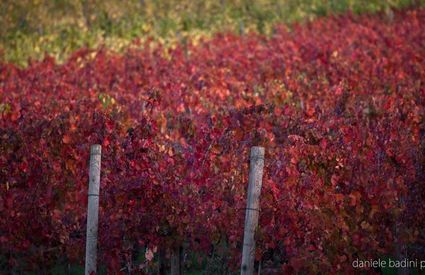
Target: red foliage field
338,104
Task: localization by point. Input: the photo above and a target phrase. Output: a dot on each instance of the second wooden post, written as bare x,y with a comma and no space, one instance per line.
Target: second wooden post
92,209
252,209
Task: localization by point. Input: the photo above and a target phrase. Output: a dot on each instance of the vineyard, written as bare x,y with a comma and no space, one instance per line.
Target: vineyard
338,103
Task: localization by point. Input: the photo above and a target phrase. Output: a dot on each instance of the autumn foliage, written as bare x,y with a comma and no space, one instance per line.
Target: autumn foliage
338,104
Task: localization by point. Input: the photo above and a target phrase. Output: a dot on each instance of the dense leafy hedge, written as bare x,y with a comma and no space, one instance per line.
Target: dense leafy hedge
338,104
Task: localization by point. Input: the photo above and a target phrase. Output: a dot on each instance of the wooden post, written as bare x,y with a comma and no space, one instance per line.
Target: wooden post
161,261
252,209
401,254
176,255
92,209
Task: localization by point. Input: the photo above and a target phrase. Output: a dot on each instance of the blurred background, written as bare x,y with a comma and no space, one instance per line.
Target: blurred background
32,28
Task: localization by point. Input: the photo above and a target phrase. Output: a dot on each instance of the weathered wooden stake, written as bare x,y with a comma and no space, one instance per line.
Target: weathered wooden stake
161,261
176,255
252,209
93,208
401,254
